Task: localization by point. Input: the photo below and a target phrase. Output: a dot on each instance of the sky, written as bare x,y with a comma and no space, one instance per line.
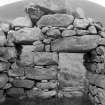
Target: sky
5,2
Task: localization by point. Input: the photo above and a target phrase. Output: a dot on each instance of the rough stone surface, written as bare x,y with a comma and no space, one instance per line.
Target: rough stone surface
49,73
28,35
68,33
55,20
23,83
81,23
45,58
75,44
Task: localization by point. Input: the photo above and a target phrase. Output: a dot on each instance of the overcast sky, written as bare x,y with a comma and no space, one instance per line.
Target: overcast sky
5,2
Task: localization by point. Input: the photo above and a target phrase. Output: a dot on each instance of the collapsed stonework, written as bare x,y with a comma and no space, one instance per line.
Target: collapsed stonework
52,54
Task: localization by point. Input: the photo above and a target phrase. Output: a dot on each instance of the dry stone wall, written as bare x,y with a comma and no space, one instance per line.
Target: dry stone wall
52,54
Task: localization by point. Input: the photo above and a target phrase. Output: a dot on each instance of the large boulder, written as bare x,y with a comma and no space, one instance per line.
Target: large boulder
56,20
75,44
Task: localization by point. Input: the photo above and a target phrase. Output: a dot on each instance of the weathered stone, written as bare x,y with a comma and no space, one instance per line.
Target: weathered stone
102,34
5,27
49,73
15,92
92,30
81,23
3,80
23,83
68,33
28,35
82,32
22,22
56,20
52,32
27,55
47,85
95,67
70,27
45,58
4,66
45,29
75,44
34,12
72,72
38,46
98,26
3,40
96,79
16,71
100,50
47,48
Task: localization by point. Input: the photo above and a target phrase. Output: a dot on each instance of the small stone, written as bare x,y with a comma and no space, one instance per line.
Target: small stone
53,33
3,80
56,20
38,46
68,33
81,23
4,66
92,30
47,48
70,27
102,34
47,85
45,58
45,29
44,81
23,83
82,32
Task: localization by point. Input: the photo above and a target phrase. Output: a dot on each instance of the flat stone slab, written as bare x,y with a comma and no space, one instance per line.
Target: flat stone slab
49,73
45,58
75,44
63,20
23,83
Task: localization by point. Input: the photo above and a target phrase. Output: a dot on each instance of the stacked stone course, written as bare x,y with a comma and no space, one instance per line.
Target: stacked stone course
52,54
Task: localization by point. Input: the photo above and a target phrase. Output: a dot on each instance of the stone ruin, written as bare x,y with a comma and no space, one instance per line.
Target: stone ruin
52,54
